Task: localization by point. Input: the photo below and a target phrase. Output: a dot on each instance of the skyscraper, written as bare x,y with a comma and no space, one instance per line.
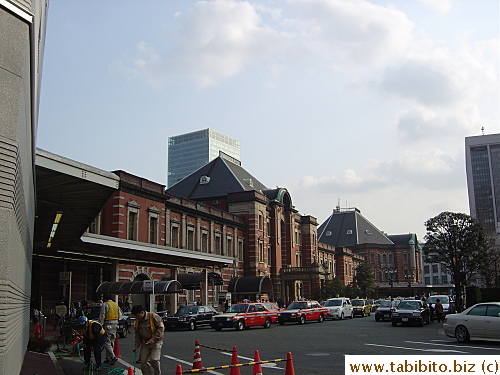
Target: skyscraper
191,151
482,155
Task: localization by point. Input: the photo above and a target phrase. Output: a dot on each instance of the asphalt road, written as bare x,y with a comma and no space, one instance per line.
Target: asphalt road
317,348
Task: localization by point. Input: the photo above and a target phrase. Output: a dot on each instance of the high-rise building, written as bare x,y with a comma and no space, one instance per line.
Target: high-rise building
191,151
482,155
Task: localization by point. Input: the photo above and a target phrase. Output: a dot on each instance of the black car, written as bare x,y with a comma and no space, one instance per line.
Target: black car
93,310
189,317
411,312
384,310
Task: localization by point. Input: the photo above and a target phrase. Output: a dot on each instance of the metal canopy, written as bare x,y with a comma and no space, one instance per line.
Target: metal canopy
76,190
251,285
192,281
137,287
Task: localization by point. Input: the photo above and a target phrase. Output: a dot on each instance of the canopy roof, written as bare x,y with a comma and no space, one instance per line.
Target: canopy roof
192,281
251,285
138,287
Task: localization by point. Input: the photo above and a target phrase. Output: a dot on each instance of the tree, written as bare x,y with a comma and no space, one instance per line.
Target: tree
332,288
456,240
364,279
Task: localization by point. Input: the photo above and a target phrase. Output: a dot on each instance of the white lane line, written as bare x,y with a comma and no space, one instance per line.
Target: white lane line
461,346
190,364
269,365
127,365
417,349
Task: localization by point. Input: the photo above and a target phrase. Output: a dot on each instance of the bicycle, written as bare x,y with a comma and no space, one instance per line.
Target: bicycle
70,342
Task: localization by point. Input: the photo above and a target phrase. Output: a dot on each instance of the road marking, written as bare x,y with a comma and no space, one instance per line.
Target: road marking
189,363
460,346
422,350
127,365
269,365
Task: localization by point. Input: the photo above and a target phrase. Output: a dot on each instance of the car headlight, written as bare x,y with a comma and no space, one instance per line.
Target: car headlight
395,313
294,315
415,314
182,318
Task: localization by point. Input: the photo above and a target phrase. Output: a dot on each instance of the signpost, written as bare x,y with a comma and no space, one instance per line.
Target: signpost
149,286
65,279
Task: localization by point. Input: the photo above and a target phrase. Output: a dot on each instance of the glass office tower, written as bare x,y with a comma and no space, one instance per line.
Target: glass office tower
483,180
189,152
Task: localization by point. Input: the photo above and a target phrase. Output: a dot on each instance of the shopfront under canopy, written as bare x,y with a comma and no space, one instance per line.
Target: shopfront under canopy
138,287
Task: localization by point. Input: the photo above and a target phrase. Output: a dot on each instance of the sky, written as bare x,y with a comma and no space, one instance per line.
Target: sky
356,103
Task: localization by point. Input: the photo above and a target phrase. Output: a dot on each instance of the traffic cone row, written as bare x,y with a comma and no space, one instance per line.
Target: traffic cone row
257,368
197,363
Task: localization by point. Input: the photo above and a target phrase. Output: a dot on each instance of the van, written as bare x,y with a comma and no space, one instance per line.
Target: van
339,308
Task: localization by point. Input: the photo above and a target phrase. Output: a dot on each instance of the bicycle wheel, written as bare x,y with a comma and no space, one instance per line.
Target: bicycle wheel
64,343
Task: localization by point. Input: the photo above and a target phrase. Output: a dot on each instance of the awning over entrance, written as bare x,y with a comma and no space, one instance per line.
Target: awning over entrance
251,285
192,281
137,287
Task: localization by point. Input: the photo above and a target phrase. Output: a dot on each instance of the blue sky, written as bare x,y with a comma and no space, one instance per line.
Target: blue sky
353,102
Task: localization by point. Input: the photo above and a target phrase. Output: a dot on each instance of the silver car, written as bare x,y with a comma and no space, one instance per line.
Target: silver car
480,322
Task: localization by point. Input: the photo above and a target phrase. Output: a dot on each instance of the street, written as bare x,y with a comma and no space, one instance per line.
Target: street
317,348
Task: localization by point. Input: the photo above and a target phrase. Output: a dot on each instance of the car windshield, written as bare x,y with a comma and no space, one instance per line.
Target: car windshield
187,310
385,304
333,302
297,305
357,302
442,299
237,309
409,305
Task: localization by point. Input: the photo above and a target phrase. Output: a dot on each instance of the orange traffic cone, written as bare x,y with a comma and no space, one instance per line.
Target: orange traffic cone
234,361
197,363
130,371
178,370
116,348
289,364
38,331
257,369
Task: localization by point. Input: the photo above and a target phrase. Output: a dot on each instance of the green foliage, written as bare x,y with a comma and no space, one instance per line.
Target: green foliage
365,280
456,240
332,288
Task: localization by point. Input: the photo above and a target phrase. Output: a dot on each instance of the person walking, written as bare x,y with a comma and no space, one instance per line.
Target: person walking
61,311
149,332
108,317
93,338
438,307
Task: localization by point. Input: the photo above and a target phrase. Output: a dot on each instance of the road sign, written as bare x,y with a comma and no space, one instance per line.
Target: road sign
147,285
64,278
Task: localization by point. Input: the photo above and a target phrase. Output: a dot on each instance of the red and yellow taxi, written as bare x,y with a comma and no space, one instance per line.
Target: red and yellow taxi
302,311
244,315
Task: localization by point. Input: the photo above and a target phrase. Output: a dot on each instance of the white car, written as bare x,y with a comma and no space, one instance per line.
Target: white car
339,308
445,301
479,322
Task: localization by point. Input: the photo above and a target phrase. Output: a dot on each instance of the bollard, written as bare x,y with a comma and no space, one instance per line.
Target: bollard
289,364
234,361
178,370
257,369
130,371
116,347
38,331
197,363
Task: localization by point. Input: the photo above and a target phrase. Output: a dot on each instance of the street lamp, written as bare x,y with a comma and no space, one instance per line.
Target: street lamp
391,283
409,279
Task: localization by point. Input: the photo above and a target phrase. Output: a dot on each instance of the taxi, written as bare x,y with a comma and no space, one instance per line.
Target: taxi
244,315
361,307
302,311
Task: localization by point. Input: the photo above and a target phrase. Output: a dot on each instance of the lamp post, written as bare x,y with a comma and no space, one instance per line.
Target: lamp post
409,279
391,283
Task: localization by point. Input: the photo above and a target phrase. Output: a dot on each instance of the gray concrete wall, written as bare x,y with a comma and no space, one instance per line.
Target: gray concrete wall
19,82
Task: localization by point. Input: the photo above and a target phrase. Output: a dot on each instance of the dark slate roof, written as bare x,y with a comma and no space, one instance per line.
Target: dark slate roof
402,239
349,229
225,177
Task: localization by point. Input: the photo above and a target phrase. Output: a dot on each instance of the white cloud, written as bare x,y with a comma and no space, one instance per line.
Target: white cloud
439,5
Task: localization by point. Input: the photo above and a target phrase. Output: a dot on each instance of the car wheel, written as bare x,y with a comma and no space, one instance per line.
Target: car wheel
281,323
302,319
428,320
394,324
369,313
341,316
240,325
377,319
192,325
462,334
321,318
352,316
218,328
267,324
421,323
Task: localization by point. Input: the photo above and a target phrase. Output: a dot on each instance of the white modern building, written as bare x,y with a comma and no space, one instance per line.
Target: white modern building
191,151
22,35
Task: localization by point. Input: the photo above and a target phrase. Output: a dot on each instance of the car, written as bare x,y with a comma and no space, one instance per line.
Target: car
244,315
411,312
302,311
190,317
339,308
93,310
445,300
478,322
371,302
376,304
360,307
384,310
